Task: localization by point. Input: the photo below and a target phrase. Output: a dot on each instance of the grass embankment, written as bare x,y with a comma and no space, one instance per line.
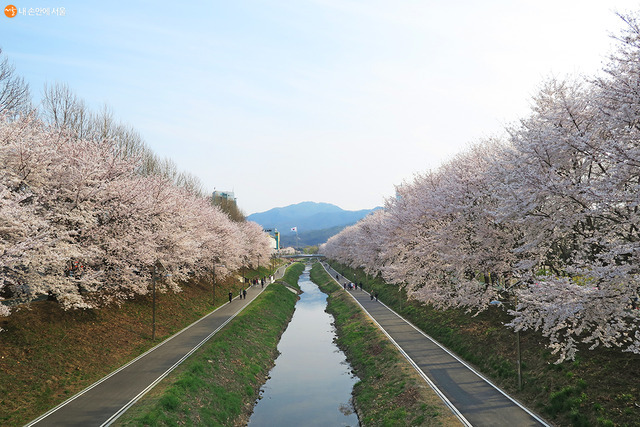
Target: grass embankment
219,384
293,273
47,354
389,392
600,388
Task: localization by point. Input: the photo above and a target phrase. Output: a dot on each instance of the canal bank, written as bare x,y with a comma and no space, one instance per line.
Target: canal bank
389,392
311,382
219,384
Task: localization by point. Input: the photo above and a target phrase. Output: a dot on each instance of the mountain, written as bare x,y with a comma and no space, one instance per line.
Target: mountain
316,222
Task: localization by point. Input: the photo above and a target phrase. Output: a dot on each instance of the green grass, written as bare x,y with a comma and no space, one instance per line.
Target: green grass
48,354
389,391
218,385
587,391
293,273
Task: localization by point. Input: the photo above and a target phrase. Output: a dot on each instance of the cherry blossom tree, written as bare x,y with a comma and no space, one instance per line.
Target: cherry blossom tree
80,223
87,209
548,215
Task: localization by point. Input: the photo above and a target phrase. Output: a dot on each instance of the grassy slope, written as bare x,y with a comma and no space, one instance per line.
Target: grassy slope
219,384
293,273
389,392
600,388
47,354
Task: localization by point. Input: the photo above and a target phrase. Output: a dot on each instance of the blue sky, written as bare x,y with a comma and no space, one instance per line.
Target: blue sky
327,100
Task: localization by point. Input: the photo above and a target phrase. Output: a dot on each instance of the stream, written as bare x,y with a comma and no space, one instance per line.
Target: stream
311,381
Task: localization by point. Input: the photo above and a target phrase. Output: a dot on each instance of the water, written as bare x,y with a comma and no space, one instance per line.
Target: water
311,381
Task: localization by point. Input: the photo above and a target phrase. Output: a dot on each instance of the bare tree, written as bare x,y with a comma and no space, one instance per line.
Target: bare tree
191,183
15,97
64,110
229,207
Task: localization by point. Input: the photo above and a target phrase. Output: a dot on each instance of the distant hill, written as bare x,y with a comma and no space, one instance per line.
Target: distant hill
316,222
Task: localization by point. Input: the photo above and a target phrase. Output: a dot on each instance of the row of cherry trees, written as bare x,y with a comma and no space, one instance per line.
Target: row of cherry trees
86,210
547,216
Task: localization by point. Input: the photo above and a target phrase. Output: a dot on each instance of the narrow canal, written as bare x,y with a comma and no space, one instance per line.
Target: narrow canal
311,381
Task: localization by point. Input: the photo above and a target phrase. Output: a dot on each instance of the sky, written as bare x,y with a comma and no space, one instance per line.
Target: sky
284,101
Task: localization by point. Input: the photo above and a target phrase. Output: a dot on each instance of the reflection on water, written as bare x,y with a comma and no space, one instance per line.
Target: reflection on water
311,381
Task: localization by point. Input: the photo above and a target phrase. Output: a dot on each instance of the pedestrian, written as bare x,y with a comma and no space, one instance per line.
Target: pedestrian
371,295
376,296
230,296
262,282
360,285
244,293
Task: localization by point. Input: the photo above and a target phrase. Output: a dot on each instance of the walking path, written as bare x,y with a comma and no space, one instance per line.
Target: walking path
103,402
473,398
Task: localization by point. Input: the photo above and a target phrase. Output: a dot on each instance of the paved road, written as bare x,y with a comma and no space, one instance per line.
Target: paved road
102,402
476,401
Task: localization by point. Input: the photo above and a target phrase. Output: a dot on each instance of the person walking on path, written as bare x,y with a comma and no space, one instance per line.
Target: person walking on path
230,296
244,294
376,296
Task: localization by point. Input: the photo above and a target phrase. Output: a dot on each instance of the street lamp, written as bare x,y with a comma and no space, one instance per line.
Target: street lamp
518,354
214,281
244,266
158,268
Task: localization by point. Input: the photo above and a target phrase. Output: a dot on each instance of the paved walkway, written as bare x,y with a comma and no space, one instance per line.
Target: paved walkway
473,398
103,402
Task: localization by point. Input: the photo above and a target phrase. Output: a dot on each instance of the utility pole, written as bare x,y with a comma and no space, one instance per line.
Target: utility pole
155,270
518,351
214,281
153,279
214,284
